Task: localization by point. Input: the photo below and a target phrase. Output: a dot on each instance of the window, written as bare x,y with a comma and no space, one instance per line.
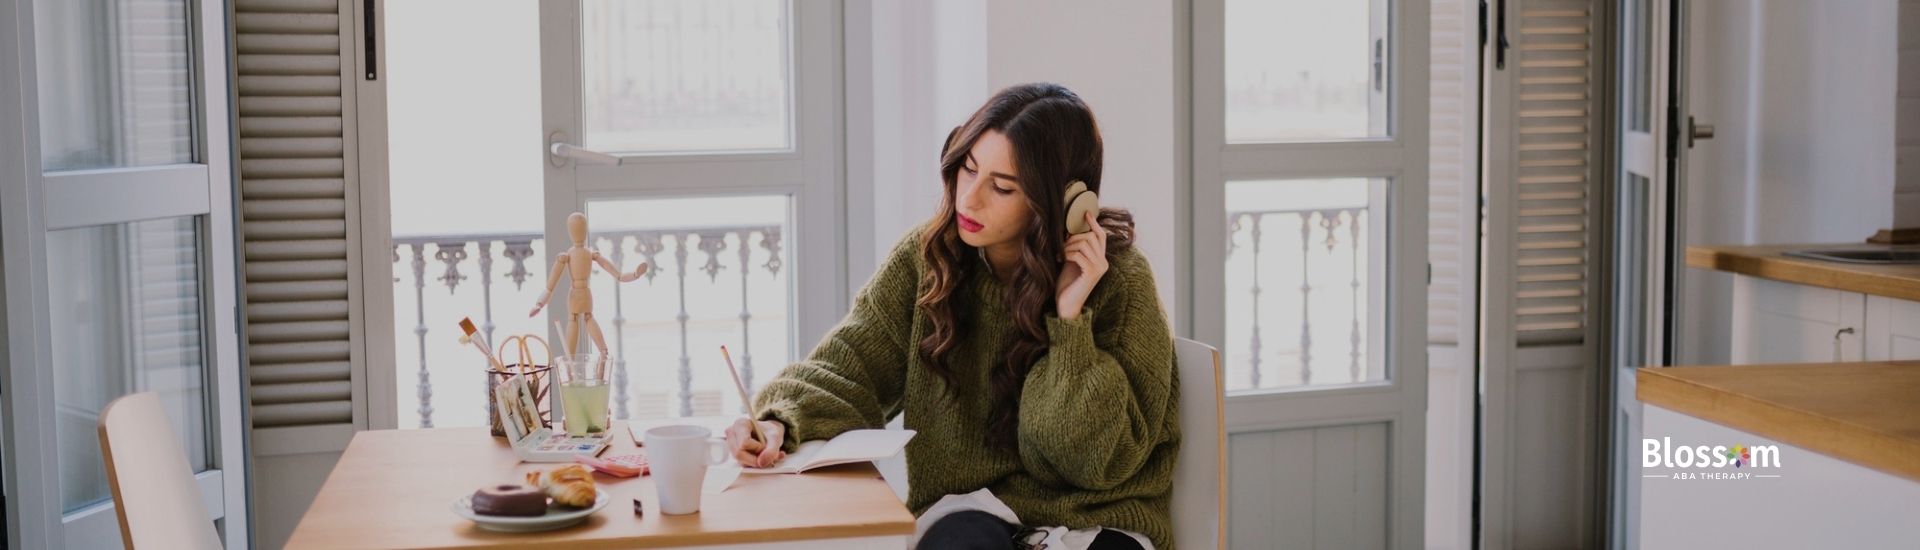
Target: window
118,256
1302,268
114,86
1301,70
125,305
1309,212
685,75
714,161
1293,166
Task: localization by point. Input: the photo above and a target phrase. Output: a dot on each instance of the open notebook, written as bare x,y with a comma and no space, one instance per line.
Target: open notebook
846,448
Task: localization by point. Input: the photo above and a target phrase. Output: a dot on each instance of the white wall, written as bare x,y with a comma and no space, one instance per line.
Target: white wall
1802,97
1120,59
1906,192
921,88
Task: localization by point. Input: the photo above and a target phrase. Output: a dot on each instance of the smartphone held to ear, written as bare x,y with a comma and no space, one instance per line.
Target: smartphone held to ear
1080,201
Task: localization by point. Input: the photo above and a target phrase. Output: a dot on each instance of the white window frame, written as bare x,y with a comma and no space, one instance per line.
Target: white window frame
32,204
813,173
1400,158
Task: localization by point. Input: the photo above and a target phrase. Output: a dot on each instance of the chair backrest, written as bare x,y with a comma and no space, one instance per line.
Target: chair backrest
1200,477
154,494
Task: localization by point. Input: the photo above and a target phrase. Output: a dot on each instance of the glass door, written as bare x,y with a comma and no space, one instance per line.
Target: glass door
702,139
119,264
1309,211
1647,236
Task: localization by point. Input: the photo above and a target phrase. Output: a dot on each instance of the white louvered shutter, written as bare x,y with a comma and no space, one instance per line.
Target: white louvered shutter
1454,189
295,222
1545,143
1556,153
1453,231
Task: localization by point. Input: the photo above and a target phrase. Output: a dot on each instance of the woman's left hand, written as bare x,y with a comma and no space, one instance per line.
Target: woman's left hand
1086,256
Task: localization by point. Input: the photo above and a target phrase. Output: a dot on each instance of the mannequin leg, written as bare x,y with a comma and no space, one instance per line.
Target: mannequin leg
572,344
599,340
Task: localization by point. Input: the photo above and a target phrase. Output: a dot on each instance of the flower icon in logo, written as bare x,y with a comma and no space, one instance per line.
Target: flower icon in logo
1739,455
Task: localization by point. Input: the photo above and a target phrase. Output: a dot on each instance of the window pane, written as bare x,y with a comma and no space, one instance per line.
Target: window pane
124,301
1305,70
686,75
694,246
464,124
1639,64
1305,278
723,262
464,117
116,85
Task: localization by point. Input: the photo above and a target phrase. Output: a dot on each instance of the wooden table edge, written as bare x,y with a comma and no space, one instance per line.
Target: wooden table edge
1770,262
903,525
801,534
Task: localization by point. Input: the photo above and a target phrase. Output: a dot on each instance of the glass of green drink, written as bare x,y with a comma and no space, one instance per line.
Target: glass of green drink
584,392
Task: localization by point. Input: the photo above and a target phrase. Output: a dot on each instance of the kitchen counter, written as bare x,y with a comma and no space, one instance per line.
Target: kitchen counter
1770,262
1866,413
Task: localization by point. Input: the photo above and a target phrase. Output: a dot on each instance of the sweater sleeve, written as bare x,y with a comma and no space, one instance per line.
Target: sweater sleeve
1097,404
855,377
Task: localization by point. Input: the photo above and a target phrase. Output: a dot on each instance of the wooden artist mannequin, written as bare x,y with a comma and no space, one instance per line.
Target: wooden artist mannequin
578,261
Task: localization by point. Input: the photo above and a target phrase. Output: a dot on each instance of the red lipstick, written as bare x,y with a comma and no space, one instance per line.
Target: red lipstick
969,224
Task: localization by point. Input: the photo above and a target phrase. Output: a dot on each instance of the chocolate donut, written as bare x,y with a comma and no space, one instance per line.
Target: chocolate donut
509,500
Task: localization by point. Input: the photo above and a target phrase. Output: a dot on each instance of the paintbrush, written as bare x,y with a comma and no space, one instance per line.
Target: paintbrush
471,336
753,419
560,333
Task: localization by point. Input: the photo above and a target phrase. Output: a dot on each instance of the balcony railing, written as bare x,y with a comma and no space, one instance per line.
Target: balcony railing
1313,252
1311,338
446,261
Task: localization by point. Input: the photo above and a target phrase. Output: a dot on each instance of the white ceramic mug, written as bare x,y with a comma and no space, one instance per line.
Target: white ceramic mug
679,456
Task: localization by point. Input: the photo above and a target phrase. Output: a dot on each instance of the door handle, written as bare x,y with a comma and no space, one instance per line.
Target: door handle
559,151
1837,355
1697,131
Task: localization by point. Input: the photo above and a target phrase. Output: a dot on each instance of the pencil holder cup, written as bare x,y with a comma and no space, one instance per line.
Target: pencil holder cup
539,376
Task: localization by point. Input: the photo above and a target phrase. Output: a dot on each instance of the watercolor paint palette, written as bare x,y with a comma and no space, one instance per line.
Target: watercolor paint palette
545,445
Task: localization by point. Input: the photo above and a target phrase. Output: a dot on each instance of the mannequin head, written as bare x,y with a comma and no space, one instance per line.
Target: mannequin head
577,228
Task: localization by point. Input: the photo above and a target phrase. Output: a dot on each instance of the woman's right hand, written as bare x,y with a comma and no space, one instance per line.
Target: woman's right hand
752,452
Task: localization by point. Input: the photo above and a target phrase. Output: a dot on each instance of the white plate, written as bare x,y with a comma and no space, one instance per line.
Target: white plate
556,517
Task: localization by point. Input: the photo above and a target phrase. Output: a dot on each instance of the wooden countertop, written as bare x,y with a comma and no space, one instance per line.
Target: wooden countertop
396,488
1867,413
1770,262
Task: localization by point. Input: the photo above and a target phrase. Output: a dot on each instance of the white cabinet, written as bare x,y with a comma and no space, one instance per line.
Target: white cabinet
1893,329
1814,500
1776,322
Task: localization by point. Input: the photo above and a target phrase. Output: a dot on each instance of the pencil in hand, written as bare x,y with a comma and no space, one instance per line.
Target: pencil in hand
753,417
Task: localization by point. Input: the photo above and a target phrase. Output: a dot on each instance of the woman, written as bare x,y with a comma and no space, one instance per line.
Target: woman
1036,367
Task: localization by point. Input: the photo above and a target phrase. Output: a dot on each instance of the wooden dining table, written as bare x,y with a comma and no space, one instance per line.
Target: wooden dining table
397,488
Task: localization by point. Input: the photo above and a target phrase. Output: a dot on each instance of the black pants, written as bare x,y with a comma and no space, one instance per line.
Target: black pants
977,530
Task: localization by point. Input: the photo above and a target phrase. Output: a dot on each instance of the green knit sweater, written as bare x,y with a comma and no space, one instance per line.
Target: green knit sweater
1099,423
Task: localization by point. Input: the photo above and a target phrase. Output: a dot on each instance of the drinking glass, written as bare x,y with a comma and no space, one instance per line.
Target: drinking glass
583,393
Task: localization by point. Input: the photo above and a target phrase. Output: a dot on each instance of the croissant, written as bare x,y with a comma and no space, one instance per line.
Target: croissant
570,485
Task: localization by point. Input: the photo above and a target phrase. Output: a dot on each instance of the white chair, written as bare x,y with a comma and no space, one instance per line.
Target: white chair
154,494
1200,476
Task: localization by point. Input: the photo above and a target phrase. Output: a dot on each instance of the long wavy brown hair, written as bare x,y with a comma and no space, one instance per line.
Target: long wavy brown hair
1055,141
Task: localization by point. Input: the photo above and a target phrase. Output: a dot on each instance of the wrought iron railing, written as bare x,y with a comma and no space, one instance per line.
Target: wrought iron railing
448,257
1323,234
1262,252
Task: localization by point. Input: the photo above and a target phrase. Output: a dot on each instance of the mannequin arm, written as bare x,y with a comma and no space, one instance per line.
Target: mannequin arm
615,270
559,270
